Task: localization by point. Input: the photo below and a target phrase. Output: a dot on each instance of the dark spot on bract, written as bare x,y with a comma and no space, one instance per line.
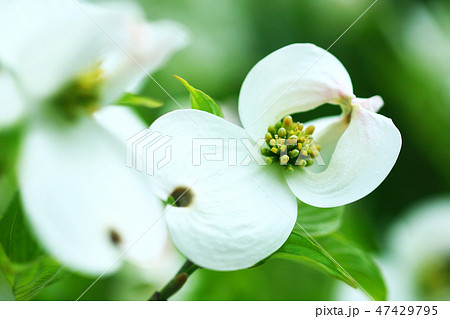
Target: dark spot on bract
114,237
182,196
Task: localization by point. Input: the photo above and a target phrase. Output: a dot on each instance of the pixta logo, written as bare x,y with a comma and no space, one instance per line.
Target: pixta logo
141,149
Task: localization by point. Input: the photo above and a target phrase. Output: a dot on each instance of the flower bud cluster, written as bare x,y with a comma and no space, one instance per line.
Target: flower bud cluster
290,144
81,95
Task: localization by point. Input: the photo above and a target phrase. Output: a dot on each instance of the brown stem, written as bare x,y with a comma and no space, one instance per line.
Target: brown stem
176,283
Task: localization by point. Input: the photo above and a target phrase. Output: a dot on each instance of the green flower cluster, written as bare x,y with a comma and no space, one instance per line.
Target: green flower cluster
290,144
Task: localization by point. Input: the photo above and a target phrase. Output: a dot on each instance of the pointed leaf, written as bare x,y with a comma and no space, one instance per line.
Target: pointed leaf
130,99
200,100
27,279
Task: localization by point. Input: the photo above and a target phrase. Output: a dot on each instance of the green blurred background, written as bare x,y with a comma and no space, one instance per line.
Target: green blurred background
400,49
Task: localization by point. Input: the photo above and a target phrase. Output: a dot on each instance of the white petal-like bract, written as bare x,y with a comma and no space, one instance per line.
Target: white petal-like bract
120,121
48,43
374,103
296,78
84,204
363,156
237,214
147,46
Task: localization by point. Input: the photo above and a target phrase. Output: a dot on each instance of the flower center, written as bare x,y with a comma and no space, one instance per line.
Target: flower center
81,95
290,144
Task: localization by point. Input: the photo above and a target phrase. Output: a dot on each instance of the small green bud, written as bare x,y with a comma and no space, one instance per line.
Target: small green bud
282,132
309,130
301,163
292,140
289,168
287,122
309,162
284,159
294,153
265,152
277,126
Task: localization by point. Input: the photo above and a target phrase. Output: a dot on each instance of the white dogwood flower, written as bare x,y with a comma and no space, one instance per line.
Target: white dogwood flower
236,212
359,147
61,67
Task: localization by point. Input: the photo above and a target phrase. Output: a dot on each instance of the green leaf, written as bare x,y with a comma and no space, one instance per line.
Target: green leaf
5,287
23,263
15,237
357,263
8,188
300,248
200,100
27,280
130,99
9,151
319,221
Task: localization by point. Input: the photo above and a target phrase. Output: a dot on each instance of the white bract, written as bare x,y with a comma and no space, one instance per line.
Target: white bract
235,212
60,68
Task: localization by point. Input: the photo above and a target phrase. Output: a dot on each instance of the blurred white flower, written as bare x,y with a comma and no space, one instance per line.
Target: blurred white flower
431,26
416,264
60,67
231,218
